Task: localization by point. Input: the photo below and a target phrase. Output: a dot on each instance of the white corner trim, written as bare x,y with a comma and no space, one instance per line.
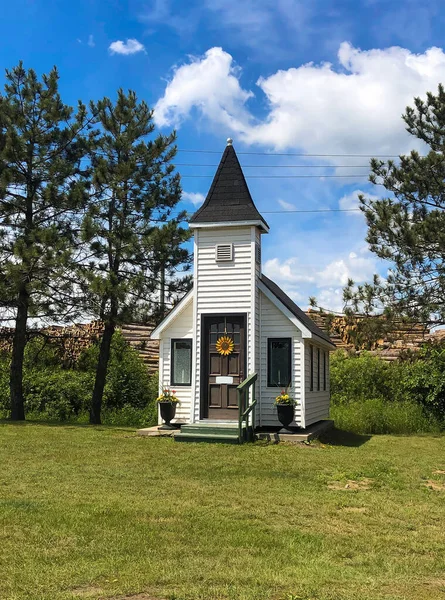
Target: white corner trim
177,310
196,341
303,382
298,324
252,300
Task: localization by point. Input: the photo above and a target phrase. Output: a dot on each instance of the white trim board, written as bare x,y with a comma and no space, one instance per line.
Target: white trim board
176,311
221,224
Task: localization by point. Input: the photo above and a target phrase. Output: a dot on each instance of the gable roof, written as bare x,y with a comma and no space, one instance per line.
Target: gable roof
294,309
229,199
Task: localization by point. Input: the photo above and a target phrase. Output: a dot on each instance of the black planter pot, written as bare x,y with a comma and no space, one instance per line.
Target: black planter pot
168,411
285,415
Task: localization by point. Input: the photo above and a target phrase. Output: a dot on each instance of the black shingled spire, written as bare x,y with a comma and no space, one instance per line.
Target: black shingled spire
229,198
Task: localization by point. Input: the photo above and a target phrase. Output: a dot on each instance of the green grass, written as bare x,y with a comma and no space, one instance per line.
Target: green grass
380,416
100,513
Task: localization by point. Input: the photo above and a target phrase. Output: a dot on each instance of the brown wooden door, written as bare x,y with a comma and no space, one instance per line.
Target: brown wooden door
222,373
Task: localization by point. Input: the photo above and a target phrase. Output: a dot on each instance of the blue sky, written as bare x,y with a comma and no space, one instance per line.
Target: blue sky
282,77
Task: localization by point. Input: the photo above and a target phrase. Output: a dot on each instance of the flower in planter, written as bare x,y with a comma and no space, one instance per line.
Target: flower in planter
285,398
167,396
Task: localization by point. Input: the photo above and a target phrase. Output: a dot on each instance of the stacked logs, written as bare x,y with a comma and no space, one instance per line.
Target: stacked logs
138,336
401,338
71,340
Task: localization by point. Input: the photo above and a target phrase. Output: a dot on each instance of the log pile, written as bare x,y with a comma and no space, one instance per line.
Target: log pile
71,340
401,338
138,336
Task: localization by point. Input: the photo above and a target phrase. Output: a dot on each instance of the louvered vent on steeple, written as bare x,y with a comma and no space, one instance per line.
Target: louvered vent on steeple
224,252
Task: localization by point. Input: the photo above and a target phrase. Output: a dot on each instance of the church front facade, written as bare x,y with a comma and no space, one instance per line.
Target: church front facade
236,322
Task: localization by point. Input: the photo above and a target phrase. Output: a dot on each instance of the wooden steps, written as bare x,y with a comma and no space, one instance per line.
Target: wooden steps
209,431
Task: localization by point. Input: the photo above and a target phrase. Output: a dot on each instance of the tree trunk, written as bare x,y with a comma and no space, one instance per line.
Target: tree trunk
18,352
101,373
162,294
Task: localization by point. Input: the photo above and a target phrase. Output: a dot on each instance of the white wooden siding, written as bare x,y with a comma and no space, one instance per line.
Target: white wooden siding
257,243
316,401
181,327
275,324
223,287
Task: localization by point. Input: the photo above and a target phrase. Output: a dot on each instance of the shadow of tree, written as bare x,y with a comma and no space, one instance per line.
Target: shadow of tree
339,437
68,425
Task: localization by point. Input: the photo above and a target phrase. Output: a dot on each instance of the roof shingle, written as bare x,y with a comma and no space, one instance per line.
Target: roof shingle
229,198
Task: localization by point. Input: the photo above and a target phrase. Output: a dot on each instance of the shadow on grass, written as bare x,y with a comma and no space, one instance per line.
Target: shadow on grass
339,437
68,425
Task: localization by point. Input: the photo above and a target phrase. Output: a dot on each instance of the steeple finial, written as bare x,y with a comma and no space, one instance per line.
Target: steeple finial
229,141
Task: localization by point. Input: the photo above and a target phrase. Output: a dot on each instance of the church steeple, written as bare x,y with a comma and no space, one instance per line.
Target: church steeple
229,199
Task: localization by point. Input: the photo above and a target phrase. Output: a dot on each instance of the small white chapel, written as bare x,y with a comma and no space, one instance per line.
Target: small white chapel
235,324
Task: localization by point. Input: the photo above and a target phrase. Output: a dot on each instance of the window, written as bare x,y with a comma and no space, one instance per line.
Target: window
278,362
311,352
181,372
318,369
324,370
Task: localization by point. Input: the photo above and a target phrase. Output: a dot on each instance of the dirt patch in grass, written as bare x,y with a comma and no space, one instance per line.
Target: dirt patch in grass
439,472
137,597
436,582
351,484
437,486
353,509
86,591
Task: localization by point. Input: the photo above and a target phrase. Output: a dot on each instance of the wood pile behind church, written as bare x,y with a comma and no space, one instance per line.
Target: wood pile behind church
71,340
138,336
402,337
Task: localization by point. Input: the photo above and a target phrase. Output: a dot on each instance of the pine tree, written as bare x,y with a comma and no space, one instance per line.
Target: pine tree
408,227
40,185
128,227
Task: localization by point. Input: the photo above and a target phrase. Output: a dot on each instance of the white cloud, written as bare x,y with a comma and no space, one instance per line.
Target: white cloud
331,299
336,272
131,46
209,84
353,107
91,43
353,267
289,271
286,205
351,201
299,279
193,197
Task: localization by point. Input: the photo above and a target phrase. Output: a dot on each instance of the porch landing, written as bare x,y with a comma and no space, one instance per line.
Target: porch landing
297,437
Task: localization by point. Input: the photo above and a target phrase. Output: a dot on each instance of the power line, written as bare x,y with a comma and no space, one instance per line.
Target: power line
317,210
280,166
352,175
291,154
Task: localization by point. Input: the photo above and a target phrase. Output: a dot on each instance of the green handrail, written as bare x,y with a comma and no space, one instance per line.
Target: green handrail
245,408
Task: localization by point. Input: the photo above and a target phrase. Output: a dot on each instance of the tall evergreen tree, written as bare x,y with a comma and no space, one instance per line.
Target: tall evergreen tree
40,185
408,227
128,227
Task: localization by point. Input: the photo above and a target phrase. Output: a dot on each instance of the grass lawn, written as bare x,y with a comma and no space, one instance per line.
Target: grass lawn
102,513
